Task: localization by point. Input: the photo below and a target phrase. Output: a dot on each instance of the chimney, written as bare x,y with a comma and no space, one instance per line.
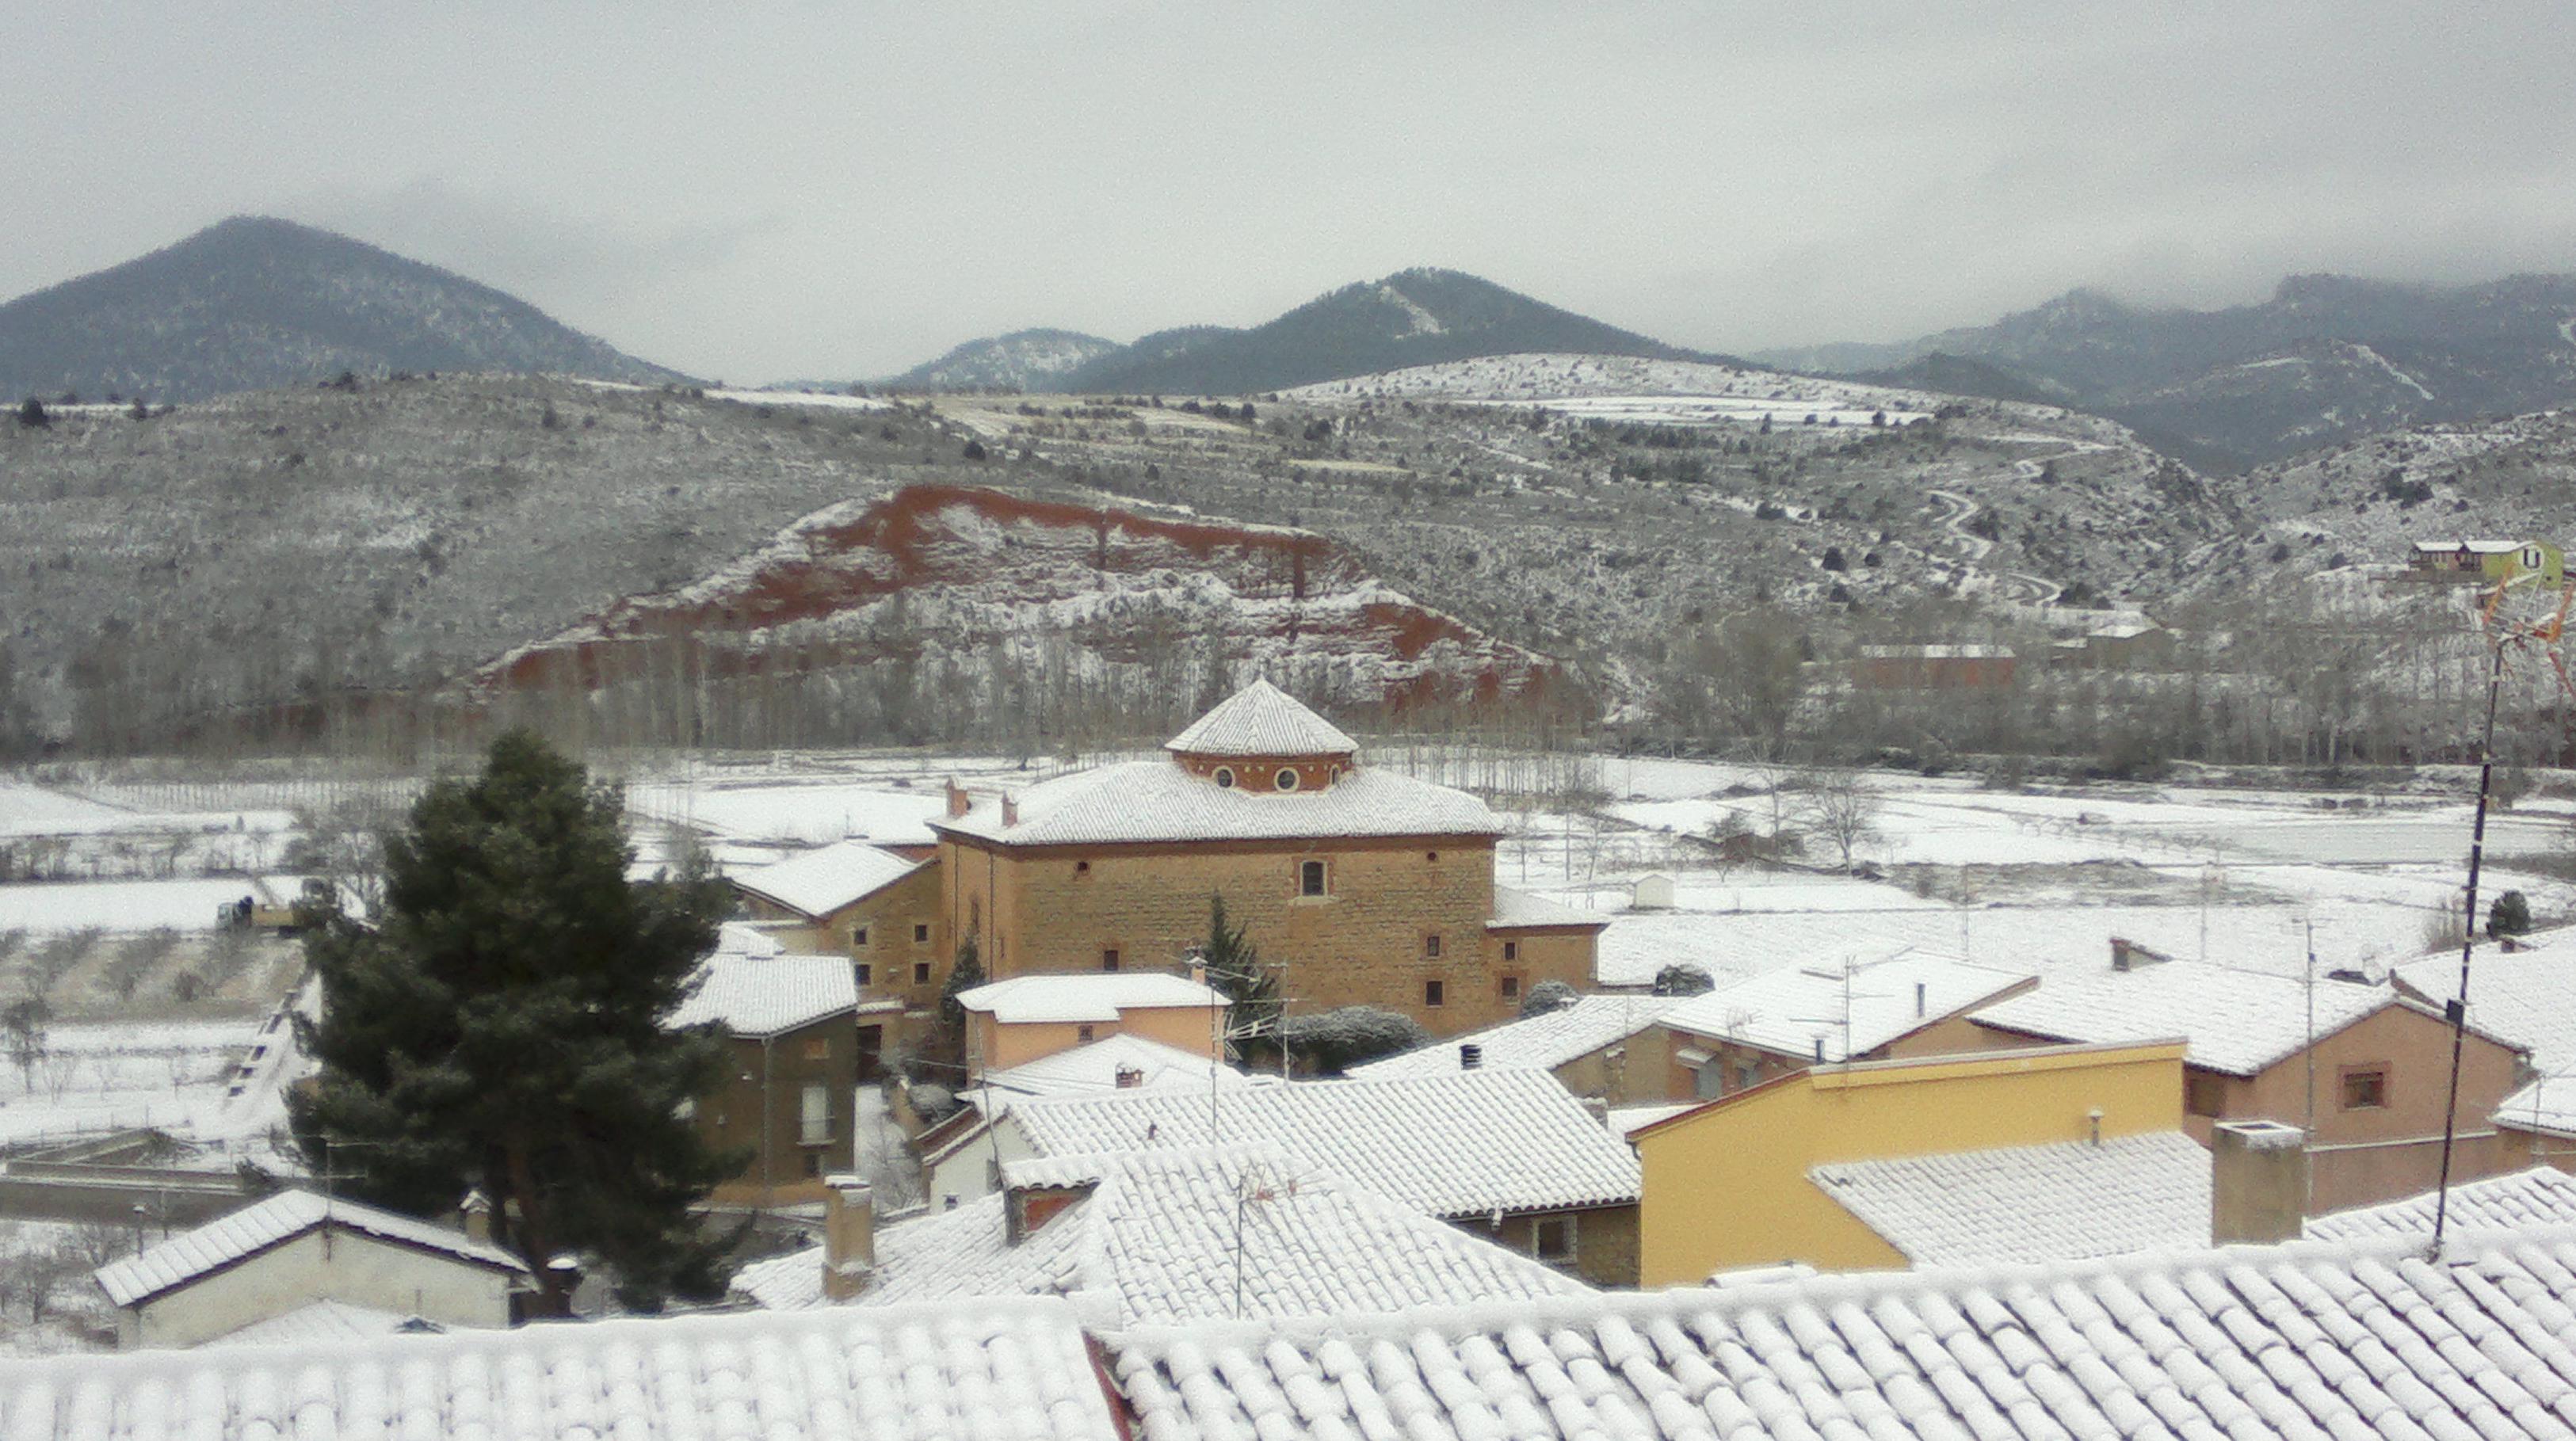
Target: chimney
849,1237
2258,1182
1922,999
958,804
2128,955
475,1211
1198,967
1470,1056
1010,811
1130,1077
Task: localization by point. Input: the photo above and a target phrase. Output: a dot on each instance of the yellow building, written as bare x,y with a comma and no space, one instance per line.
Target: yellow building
1728,1184
2487,561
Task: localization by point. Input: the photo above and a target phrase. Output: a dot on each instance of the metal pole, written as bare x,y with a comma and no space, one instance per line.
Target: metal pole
2459,1007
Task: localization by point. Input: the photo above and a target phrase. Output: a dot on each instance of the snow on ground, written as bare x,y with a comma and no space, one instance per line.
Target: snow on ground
821,399
56,906
1634,389
177,1076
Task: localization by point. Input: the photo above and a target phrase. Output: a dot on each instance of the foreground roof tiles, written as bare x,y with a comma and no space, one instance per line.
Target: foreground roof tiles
1157,801
1016,1370
1539,1043
2065,1201
828,878
256,1227
2237,1022
1261,720
2351,1340
2541,1196
1454,1145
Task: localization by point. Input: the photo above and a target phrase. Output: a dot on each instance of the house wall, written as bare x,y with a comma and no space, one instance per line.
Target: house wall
766,1087
2518,1149
971,1170
1039,910
350,1267
1538,953
1628,1072
1726,1186
1605,1239
995,1046
1949,1036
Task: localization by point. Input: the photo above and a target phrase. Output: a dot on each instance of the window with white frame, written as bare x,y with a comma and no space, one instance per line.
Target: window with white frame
814,1115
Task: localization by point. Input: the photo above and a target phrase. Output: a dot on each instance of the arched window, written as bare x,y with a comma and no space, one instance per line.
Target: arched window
1225,778
1287,778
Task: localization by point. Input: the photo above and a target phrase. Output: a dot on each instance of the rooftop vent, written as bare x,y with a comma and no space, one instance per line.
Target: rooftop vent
1470,1056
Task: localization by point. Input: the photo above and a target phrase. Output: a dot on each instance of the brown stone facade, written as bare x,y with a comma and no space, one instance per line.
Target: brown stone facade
762,1107
1605,1239
1400,923
897,943
1266,773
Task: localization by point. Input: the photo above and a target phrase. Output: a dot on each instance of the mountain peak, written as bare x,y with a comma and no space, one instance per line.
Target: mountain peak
254,302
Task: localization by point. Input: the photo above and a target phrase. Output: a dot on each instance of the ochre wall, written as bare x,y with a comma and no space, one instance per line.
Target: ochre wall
1726,1186
994,1046
1605,1239
1039,910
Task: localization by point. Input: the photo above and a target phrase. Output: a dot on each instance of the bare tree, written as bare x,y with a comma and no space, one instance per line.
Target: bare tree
24,1023
1842,807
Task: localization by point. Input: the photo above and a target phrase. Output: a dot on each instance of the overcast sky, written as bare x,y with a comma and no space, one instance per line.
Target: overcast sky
811,190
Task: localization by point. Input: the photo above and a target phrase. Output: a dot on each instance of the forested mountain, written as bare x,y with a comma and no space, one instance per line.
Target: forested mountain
2326,359
1021,360
254,303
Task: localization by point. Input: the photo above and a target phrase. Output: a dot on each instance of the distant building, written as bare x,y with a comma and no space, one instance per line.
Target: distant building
1027,1018
2379,1063
876,906
271,1264
1934,667
1585,1045
1732,1039
792,1096
2485,562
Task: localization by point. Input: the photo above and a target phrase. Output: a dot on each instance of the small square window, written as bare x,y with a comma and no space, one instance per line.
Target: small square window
1310,878
1431,944
1511,988
1109,958
1433,993
921,973
867,973
2365,1088
1552,1239
2204,1095
1084,1035
920,935
1511,950
818,1048
859,936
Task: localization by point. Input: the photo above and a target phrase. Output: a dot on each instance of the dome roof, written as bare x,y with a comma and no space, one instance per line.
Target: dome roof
1261,720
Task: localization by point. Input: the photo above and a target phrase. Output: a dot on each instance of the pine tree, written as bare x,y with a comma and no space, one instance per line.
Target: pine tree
1251,990
500,1023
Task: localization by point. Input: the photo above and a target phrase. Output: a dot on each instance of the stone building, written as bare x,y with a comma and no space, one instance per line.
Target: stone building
790,1102
1368,886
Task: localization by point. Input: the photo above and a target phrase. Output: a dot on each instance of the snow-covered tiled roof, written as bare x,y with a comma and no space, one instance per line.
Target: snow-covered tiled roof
2541,1196
1152,801
828,878
1169,1235
2060,1202
1261,720
2473,547
762,995
2236,1022
256,1227
1540,1043
326,1321
1937,652
1797,1009
2347,1340
2526,997
1626,1121
2547,1104
1085,996
1095,1067
1014,1370
1519,908
1462,1144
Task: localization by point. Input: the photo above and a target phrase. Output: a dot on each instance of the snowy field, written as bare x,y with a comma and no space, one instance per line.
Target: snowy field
216,1083
1636,390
